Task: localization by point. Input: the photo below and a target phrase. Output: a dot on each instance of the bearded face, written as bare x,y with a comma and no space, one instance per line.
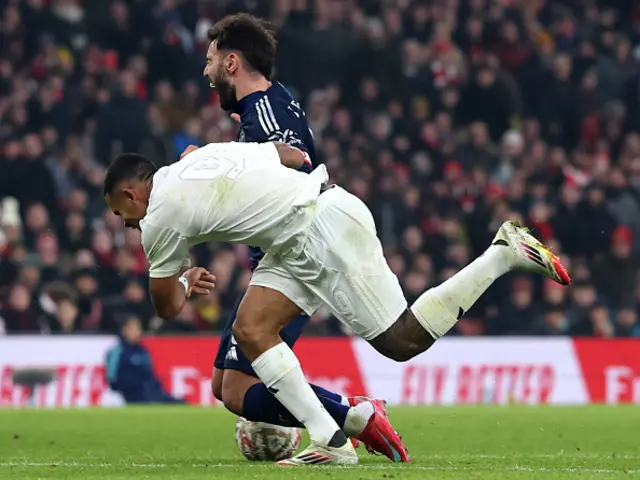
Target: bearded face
217,72
226,90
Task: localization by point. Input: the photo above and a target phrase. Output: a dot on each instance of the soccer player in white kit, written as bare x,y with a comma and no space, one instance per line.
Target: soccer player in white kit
320,247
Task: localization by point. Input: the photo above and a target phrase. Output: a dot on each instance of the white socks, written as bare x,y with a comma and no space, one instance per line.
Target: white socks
439,308
357,419
280,371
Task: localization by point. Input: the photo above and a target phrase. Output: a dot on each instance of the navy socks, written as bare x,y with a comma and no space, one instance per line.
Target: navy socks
261,406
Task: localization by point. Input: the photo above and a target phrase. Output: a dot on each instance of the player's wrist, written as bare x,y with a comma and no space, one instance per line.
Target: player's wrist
185,283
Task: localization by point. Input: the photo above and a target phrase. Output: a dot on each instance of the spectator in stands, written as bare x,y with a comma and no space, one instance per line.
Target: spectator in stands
66,317
129,368
18,315
554,322
446,118
616,273
627,322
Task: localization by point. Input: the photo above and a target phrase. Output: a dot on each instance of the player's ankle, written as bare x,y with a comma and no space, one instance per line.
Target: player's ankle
358,418
502,258
338,439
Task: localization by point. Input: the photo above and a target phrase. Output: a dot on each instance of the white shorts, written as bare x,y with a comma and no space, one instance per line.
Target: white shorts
340,263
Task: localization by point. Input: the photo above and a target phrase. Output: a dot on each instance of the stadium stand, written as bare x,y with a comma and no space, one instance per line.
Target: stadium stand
446,117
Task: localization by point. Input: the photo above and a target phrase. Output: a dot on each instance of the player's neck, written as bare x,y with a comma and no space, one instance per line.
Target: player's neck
251,85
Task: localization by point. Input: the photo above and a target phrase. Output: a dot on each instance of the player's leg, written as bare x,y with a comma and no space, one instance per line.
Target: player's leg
363,292
235,384
217,375
438,309
244,394
320,267
248,397
343,264
263,313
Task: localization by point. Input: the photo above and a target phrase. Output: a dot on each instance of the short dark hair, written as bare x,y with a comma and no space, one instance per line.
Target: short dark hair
127,166
249,36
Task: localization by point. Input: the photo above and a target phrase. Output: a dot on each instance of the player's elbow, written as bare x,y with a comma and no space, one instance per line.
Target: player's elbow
166,313
166,310
167,297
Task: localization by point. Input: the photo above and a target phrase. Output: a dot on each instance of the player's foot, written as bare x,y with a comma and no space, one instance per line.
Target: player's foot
379,437
530,254
317,455
354,401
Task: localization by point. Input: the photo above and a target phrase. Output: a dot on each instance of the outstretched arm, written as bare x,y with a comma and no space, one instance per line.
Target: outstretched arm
290,156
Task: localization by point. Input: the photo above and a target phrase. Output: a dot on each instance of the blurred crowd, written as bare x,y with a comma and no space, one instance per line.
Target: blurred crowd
446,116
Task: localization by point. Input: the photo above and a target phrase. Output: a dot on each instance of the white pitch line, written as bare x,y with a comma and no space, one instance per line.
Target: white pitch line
557,456
444,468
452,457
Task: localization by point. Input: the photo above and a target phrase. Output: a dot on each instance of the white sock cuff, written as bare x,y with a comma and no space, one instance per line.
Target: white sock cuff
357,418
432,314
275,363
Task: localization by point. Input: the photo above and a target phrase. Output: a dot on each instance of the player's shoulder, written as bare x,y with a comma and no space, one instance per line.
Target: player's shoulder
274,112
164,200
278,92
276,105
284,100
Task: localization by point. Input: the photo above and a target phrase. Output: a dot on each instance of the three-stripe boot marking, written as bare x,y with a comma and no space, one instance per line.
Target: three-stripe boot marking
533,254
314,458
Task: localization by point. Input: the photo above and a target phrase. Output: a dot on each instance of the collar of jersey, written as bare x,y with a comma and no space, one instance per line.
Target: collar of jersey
246,104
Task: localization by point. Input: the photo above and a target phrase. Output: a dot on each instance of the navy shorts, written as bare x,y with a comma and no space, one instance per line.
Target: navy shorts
230,356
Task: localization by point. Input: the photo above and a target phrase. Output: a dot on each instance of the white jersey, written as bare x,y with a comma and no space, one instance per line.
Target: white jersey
226,192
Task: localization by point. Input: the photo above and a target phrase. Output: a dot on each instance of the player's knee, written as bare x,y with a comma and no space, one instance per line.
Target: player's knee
401,344
402,356
398,353
216,387
403,340
245,333
252,329
232,401
234,389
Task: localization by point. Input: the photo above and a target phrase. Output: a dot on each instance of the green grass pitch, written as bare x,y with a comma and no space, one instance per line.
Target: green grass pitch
444,442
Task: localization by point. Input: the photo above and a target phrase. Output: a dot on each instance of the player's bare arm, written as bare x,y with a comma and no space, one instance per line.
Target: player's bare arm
170,294
188,150
290,156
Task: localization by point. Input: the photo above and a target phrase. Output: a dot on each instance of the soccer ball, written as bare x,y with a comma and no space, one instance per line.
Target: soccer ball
264,442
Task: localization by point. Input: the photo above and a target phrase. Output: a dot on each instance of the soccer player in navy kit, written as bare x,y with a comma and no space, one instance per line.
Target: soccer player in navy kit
239,65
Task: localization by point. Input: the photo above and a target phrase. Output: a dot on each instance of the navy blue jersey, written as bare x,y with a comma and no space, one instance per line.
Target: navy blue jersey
274,116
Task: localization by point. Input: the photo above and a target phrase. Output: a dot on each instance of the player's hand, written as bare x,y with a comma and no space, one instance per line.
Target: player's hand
200,281
188,150
235,117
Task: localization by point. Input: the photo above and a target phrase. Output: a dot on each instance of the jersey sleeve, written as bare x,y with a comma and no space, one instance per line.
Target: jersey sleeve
281,124
166,249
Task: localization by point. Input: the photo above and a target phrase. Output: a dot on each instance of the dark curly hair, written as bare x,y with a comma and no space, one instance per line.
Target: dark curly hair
248,36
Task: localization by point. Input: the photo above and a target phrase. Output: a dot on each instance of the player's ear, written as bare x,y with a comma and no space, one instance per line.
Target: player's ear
232,63
129,194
